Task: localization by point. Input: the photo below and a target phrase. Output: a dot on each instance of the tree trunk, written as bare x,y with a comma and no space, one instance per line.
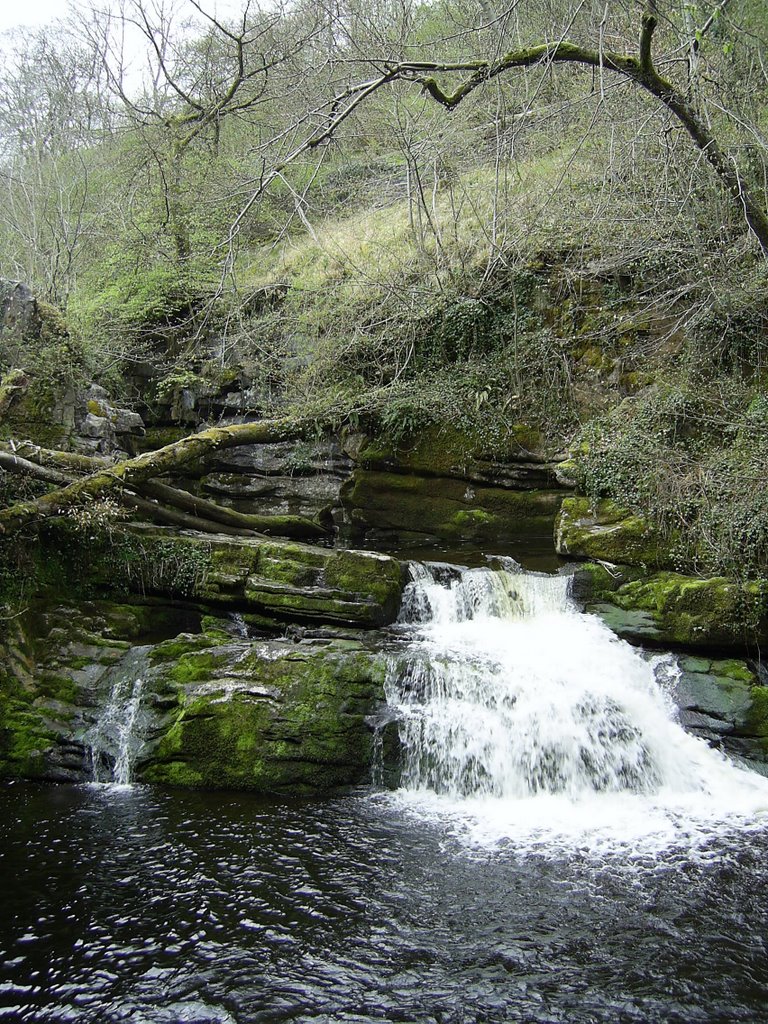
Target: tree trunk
131,474
639,70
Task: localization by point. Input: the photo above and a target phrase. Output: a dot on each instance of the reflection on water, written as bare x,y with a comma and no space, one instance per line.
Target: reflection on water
129,904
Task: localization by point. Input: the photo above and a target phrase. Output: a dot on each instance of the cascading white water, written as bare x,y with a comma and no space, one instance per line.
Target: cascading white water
118,735
516,707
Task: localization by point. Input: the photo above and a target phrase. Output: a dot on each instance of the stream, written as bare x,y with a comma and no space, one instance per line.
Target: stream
558,850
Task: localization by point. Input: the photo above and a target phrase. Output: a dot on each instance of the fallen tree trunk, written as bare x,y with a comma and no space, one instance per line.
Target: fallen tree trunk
168,516
174,517
13,463
66,462
282,526
133,474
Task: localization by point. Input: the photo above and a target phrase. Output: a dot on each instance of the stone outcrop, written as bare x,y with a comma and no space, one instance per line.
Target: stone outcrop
218,709
283,478
400,510
100,427
269,715
603,530
20,315
725,702
669,609
278,580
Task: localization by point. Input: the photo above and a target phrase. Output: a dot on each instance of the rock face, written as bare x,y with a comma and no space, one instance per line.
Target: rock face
399,510
19,312
608,532
724,703
53,669
303,478
101,427
443,488
671,610
216,710
57,416
277,580
268,715
286,710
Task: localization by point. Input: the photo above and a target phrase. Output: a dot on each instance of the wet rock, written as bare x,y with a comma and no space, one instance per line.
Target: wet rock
721,701
269,716
53,670
409,510
672,610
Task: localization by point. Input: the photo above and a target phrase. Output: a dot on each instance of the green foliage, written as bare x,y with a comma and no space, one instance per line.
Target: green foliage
136,312
91,552
692,458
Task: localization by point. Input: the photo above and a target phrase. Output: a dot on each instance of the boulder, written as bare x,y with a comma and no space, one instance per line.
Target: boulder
723,701
669,609
270,716
606,531
101,427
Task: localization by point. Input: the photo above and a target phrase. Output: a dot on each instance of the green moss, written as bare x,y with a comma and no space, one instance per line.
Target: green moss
473,519
736,670
432,505
713,612
445,450
196,665
24,736
159,437
185,644
757,719
297,722
606,531
367,574
595,582
59,687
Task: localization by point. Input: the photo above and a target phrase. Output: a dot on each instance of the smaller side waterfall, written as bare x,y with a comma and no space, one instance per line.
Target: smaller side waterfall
117,737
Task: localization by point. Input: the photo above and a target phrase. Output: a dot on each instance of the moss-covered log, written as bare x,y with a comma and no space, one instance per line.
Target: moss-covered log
132,473
282,526
66,462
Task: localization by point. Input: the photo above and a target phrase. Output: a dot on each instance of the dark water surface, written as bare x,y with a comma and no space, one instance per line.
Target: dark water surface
132,904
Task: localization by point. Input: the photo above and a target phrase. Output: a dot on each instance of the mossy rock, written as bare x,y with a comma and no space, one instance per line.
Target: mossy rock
277,580
757,720
670,609
608,532
721,690
444,450
444,508
299,582
53,659
25,740
271,717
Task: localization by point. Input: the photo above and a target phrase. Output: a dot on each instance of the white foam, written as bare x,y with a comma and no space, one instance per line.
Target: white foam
523,721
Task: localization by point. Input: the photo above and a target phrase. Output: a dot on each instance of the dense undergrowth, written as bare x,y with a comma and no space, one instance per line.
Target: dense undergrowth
550,261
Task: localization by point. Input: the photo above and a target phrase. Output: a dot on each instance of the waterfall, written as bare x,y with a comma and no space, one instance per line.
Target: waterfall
512,701
117,737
